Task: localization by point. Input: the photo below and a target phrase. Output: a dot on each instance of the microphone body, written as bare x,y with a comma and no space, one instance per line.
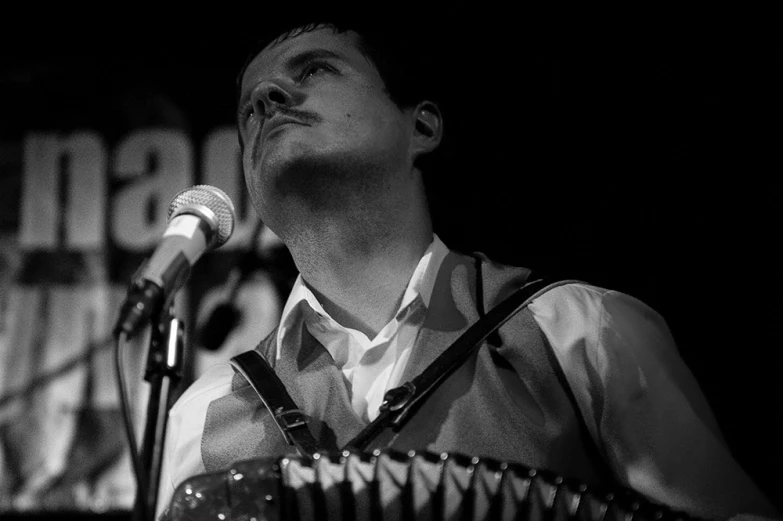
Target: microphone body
200,219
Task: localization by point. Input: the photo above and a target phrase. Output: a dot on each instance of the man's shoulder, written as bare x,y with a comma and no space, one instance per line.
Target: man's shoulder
577,293
213,384
586,299
592,303
563,292
503,279
218,380
573,304
600,320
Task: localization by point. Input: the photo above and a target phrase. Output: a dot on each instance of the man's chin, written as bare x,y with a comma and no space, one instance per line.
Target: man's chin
324,184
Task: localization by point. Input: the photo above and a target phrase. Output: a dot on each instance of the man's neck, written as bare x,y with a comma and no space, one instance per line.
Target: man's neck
361,282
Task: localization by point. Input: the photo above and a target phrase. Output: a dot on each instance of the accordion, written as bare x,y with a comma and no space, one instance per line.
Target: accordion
401,486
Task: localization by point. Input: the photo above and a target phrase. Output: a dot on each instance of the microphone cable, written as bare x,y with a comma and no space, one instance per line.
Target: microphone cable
140,502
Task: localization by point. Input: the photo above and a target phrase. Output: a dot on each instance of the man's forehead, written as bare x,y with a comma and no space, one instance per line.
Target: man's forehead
275,55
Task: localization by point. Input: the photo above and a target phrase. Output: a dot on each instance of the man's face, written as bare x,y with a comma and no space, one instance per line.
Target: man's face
318,126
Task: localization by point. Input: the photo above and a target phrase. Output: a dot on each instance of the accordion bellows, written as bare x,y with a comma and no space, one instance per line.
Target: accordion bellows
397,486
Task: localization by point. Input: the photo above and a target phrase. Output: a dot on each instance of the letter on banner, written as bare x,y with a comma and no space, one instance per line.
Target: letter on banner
159,164
78,163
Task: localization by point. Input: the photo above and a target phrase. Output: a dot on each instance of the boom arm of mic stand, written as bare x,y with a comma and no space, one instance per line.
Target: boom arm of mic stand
163,372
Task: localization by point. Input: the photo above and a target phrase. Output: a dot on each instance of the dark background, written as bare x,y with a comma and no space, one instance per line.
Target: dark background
634,150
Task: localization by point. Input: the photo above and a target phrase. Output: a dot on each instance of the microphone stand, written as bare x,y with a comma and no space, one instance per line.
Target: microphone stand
163,372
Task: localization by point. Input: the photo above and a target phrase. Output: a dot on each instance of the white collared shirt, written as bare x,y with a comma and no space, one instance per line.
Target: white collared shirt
371,366
607,343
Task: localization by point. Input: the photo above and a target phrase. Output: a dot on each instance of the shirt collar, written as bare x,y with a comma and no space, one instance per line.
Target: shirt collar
420,285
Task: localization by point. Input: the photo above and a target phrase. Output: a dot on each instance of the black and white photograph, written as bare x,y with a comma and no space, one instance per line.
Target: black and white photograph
391,262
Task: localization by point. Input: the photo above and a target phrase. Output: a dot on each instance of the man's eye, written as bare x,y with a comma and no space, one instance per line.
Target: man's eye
313,69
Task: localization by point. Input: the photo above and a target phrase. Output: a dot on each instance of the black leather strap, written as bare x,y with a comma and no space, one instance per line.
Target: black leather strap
288,417
401,402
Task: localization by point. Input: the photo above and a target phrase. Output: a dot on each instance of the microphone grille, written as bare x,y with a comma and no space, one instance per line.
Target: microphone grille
215,200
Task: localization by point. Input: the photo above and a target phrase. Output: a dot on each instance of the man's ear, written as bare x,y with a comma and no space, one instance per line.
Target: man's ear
428,128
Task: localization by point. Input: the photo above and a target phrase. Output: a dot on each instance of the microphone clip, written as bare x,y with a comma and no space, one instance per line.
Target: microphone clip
144,300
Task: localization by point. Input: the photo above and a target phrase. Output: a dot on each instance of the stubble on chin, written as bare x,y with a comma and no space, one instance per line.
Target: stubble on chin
329,187
314,200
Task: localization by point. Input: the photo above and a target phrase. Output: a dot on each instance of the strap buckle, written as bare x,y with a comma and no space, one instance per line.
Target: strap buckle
397,398
289,420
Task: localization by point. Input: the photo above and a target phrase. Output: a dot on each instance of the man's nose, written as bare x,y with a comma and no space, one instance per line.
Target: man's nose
269,96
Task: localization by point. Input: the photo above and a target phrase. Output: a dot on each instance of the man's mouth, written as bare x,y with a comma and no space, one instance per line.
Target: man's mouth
275,123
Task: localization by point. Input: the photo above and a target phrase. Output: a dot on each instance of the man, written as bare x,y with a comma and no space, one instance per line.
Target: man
332,146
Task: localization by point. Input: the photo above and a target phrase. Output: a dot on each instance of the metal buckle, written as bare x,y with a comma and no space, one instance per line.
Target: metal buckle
397,398
290,419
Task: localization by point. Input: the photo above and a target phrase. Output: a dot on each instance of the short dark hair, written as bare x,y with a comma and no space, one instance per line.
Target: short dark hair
406,67
405,58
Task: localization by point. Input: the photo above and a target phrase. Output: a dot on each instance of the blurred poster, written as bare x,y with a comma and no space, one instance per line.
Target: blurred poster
87,210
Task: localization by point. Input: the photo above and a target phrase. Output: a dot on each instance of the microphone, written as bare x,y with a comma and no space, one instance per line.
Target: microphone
201,219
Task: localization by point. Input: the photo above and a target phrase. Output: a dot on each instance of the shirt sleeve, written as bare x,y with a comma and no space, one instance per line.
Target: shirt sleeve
182,448
641,403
